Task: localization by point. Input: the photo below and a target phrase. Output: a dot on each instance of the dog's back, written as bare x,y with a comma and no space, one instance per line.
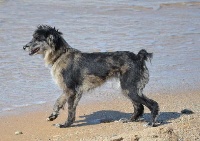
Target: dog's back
95,68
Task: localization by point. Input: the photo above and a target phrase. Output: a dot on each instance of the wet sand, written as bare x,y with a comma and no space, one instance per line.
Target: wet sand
174,125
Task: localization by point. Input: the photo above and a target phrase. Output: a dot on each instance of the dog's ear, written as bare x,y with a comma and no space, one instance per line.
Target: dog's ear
50,40
54,41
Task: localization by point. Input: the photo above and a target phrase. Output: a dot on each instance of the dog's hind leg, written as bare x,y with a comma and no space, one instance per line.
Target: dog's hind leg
149,103
153,107
138,102
138,107
60,102
138,111
132,86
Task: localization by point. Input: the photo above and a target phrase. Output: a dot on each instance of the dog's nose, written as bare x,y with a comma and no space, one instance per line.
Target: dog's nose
24,47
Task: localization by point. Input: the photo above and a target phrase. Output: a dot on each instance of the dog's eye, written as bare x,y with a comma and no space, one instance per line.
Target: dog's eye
39,38
36,38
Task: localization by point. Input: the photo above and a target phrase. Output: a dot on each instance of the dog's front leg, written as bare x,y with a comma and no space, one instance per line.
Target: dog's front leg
71,113
60,102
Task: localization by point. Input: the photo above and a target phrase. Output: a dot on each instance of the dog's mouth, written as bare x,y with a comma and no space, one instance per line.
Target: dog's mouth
34,51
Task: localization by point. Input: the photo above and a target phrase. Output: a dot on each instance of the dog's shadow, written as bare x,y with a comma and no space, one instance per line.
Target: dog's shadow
111,116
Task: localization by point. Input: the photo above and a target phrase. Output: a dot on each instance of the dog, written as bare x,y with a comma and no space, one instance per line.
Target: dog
76,72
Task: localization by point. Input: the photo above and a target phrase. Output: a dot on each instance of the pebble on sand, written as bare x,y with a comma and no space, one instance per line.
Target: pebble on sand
187,111
18,133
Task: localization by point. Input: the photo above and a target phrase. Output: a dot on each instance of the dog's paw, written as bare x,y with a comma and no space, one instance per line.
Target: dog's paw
123,120
140,120
61,125
150,124
52,117
57,125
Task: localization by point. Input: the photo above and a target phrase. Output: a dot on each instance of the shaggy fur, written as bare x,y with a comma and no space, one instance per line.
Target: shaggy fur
77,72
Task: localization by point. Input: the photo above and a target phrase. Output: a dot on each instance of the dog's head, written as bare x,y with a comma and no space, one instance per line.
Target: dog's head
45,38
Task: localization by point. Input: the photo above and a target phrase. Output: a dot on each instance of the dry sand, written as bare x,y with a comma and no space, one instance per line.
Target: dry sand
174,127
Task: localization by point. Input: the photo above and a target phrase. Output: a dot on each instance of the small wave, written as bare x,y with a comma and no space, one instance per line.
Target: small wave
7,109
21,105
39,102
13,107
29,104
179,4
142,6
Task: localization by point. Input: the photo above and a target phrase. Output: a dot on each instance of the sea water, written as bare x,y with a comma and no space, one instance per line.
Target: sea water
169,29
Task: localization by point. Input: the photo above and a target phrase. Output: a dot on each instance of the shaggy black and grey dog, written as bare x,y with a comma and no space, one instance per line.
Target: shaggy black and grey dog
77,72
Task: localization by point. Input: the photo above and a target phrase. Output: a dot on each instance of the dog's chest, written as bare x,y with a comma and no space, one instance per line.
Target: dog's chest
56,73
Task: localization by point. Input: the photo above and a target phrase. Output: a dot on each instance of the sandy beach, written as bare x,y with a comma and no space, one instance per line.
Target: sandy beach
170,29
174,125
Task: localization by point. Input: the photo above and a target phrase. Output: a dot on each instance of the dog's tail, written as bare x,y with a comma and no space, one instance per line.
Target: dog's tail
143,55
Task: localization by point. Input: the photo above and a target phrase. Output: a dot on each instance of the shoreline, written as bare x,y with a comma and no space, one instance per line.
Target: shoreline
90,98
174,125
